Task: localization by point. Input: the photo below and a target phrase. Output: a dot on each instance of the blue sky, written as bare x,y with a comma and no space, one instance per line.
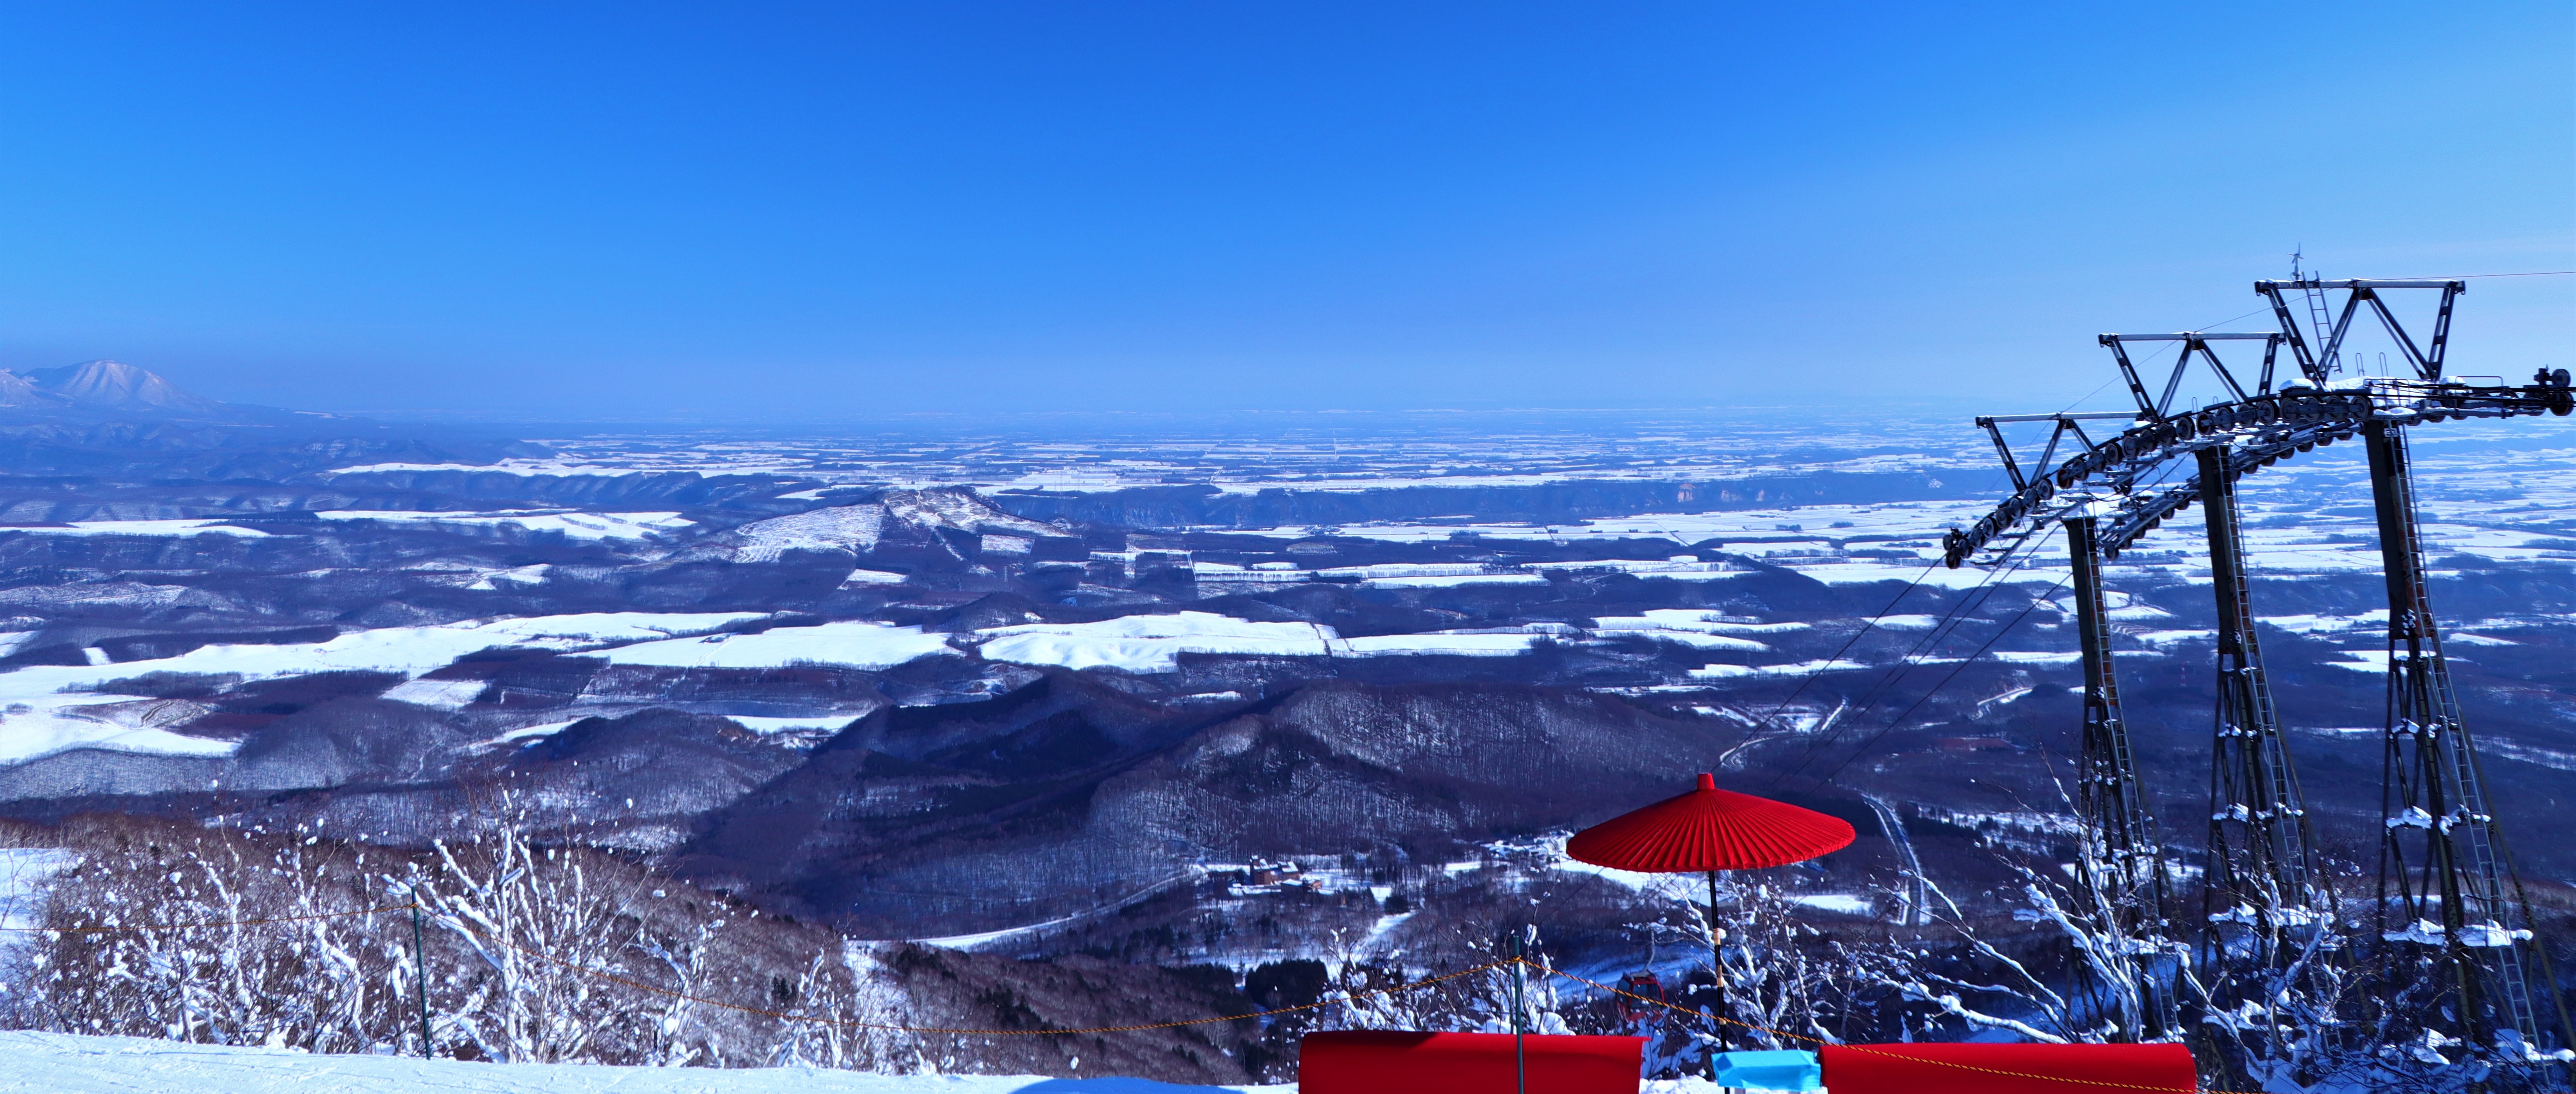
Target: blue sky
833,212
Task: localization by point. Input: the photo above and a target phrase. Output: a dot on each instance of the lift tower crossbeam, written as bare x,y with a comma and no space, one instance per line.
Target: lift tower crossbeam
2425,359
2157,406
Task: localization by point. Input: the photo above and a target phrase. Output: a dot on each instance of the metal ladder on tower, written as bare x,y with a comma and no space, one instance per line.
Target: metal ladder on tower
2320,317
2470,791
2458,755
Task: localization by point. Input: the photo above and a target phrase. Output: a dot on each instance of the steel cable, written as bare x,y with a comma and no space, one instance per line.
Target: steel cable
1962,666
1947,625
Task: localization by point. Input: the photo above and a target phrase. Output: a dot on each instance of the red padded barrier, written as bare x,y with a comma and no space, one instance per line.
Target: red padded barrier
1397,1062
1951,1068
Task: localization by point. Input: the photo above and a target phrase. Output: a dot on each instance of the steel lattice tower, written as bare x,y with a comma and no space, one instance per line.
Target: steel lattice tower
2126,882
2443,865
2263,877
2452,916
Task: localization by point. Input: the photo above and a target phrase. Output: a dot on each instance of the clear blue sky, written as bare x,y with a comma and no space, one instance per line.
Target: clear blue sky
841,210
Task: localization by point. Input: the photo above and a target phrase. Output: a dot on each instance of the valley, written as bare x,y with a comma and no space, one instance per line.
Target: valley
1228,702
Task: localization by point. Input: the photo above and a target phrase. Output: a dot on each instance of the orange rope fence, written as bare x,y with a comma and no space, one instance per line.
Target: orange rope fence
1862,1048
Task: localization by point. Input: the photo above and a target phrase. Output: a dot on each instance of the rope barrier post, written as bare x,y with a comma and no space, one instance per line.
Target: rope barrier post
420,973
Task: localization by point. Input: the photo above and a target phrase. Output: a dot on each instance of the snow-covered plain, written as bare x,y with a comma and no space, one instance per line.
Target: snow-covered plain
135,528
569,523
519,467
2306,518
1338,451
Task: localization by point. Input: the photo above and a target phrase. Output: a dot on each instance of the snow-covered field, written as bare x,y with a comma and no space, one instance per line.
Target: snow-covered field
2483,504
1151,643
860,645
49,708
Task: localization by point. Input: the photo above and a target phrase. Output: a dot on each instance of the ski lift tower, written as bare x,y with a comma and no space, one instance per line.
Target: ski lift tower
2449,899
2123,884
2466,975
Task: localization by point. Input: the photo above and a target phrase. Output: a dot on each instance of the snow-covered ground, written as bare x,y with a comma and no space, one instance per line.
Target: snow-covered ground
57,1063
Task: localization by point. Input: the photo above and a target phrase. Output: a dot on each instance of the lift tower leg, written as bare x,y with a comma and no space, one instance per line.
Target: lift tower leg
2124,869
2263,888
2447,888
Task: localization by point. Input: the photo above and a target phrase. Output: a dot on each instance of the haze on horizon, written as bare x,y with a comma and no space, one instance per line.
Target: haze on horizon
831,212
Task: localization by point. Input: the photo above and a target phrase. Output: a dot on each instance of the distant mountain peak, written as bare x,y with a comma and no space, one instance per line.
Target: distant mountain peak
112,385
18,391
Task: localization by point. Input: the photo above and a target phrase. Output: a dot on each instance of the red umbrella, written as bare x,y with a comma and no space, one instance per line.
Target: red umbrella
1708,830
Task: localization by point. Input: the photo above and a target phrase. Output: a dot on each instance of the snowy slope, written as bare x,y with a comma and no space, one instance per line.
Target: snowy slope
65,1064
861,645
49,708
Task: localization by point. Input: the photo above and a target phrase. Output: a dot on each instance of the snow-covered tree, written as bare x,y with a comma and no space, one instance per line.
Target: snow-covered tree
534,953
219,938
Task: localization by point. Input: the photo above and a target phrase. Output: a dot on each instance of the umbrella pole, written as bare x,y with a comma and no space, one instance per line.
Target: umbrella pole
1717,960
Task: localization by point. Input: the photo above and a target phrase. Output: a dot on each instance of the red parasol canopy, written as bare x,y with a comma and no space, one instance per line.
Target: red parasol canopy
1710,829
